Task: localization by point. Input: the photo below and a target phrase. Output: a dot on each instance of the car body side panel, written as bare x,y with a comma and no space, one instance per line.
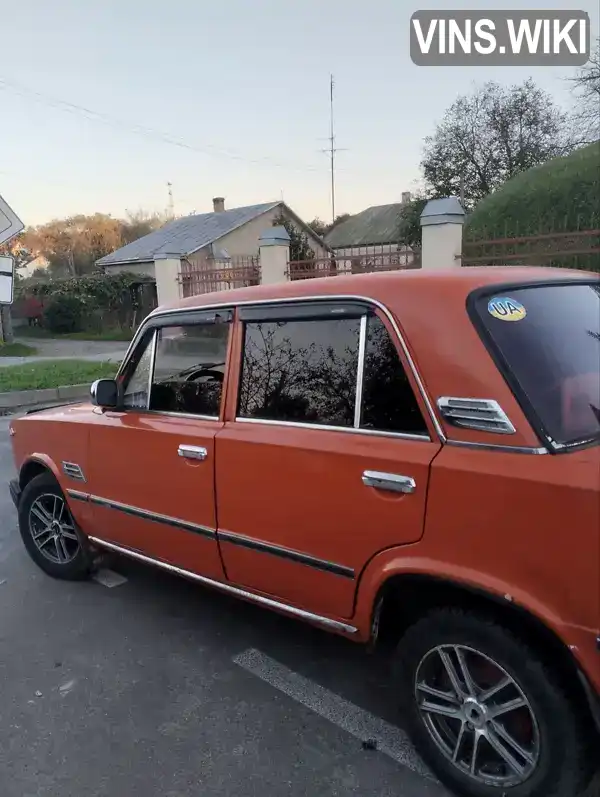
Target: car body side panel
524,528
52,437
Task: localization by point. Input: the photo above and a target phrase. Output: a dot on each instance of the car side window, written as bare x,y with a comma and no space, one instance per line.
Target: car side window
301,370
136,391
189,368
388,401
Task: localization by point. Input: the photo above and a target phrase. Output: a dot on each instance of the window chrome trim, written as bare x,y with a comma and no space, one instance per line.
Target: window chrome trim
498,447
360,371
167,413
145,514
161,313
286,553
323,427
302,614
153,344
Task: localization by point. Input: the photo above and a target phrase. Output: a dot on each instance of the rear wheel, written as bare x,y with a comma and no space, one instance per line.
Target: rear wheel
49,531
485,712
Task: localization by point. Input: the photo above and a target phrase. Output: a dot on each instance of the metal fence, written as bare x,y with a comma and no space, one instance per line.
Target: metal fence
210,275
566,249
357,260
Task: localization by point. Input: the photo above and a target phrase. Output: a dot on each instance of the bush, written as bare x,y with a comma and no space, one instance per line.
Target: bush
64,314
560,195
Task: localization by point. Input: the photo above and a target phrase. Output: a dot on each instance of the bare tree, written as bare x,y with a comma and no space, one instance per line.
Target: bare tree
586,87
489,136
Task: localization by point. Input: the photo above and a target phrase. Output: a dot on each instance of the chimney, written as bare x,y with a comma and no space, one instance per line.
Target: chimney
405,197
219,204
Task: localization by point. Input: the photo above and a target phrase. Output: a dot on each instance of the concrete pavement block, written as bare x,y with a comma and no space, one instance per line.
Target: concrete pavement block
19,398
74,391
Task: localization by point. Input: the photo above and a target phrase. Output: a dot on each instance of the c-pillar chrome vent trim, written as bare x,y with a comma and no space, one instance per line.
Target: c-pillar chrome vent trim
484,415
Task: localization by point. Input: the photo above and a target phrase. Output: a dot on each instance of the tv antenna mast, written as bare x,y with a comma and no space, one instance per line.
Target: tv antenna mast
171,204
332,148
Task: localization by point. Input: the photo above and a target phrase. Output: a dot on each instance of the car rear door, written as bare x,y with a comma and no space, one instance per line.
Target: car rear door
327,460
152,464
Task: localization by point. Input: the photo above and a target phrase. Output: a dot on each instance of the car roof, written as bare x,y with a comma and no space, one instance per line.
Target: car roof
388,287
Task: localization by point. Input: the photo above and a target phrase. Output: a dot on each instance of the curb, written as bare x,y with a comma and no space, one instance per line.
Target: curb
16,399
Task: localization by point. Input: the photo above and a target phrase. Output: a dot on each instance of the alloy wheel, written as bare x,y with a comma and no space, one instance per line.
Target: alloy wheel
477,715
52,529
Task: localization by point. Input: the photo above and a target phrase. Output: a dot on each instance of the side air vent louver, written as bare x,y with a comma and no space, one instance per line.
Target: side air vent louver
485,415
73,471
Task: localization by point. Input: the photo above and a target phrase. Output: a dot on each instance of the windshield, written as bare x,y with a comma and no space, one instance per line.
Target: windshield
549,339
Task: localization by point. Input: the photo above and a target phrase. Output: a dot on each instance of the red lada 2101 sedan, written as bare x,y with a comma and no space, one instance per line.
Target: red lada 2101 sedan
404,457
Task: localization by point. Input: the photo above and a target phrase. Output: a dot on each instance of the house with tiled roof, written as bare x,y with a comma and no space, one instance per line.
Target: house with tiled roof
373,232
206,241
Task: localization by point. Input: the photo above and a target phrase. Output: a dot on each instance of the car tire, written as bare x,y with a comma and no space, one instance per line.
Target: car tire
49,532
545,724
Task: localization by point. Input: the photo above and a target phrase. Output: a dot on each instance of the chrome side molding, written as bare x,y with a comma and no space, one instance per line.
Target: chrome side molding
483,415
318,619
389,481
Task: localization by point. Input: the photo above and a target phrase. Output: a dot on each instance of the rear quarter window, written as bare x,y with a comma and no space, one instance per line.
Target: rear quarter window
546,339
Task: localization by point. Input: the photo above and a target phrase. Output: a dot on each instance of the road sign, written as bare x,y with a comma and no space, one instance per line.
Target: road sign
7,278
10,223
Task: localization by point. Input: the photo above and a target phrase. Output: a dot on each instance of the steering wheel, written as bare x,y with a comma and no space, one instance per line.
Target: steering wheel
212,375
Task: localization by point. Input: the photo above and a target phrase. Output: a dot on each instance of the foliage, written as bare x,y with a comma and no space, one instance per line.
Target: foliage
299,247
16,350
488,137
53,373
73,245
17,248
586,86
321,228
409,224
64,314
98,290
561,194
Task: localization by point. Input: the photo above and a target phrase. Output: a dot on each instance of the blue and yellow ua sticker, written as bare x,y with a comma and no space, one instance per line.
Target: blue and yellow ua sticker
506,309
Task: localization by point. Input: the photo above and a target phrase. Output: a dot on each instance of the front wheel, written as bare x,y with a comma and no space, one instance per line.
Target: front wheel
49,532
485,712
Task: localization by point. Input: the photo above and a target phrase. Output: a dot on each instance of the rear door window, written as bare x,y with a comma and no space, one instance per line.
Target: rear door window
547,340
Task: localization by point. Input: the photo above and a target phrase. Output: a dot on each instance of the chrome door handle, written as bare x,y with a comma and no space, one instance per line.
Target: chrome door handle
192,452
388,481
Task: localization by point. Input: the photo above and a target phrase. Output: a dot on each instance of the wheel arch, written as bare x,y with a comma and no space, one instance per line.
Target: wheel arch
35,466
403,599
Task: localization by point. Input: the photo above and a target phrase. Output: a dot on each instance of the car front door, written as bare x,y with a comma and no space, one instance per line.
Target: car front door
327,460
152,462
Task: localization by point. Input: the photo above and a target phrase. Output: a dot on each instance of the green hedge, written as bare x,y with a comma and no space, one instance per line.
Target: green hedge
559,195
562,195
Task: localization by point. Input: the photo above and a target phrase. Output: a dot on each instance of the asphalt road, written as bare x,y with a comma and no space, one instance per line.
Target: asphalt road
160,688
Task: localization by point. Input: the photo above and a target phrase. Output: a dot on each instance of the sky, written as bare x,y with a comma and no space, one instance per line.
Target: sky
241,86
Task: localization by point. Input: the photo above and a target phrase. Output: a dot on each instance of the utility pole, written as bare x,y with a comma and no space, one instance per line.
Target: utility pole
171,205
461,190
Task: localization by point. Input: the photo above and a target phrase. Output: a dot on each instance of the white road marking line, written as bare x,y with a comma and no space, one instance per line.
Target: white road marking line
108,578
354,720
